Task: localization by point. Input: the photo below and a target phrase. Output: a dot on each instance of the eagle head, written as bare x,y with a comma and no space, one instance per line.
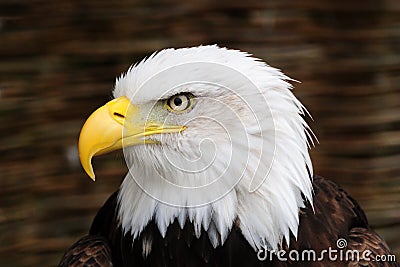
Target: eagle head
212,137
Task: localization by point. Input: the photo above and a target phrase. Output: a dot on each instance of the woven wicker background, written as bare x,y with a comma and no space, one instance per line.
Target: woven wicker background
58,61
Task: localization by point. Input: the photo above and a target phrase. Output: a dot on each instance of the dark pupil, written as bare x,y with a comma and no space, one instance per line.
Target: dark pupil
178,101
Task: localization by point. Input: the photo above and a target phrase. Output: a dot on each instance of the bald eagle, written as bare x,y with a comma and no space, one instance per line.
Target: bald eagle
219,172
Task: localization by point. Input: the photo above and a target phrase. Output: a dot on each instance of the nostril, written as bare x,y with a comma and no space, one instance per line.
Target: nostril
119,115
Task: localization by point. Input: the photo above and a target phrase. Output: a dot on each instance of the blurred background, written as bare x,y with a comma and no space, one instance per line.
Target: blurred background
59,59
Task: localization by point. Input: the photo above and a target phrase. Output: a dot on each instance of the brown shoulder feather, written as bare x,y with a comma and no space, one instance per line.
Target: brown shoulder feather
89,251
337,216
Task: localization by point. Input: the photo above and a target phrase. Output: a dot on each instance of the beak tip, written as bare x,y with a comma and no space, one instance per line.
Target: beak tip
87,167
92,176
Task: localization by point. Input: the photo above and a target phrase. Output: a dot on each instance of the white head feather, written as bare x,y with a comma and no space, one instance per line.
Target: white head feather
242,159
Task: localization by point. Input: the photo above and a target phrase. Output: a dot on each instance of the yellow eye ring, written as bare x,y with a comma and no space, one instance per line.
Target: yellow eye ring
180,102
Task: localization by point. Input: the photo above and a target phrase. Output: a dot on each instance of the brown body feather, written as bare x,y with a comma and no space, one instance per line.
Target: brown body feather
335,215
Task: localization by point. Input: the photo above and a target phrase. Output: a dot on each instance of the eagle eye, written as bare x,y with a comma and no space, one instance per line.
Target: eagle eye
180,102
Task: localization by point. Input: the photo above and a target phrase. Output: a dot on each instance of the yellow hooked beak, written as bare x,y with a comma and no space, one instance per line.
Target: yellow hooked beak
111,127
